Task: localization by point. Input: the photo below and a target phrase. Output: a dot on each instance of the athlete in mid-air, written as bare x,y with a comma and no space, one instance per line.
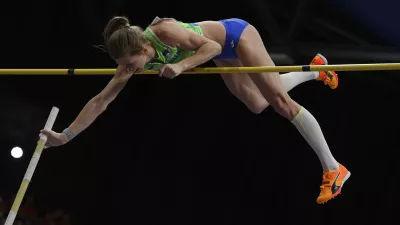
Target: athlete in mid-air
172,47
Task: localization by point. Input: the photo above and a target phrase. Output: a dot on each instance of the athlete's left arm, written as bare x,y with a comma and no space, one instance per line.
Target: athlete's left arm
205,48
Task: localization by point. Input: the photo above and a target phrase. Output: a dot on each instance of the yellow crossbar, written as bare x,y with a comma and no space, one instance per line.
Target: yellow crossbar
213,70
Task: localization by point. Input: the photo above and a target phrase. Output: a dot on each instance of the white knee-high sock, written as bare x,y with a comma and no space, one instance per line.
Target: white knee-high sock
291,80
311,131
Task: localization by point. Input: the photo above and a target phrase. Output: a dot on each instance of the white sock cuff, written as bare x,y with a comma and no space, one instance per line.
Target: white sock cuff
301,111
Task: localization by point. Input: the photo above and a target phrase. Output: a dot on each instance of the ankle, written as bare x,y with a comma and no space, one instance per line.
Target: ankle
316,74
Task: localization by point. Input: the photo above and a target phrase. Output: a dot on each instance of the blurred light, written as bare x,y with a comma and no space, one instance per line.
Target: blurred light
16,152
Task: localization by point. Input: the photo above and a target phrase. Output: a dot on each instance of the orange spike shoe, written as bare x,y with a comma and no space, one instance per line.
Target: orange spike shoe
329,78
332,184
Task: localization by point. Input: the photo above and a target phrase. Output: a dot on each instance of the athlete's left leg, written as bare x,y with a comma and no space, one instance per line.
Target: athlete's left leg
246,91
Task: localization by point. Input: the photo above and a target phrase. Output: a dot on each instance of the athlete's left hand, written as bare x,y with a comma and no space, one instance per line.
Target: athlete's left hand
170,70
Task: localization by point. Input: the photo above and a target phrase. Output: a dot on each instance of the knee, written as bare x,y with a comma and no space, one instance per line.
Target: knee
258,106
254,101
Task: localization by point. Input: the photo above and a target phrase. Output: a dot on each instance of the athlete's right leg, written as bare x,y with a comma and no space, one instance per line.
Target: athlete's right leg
252,52
242,87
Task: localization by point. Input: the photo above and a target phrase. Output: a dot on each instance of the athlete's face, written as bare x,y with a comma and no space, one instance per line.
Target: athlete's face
135,62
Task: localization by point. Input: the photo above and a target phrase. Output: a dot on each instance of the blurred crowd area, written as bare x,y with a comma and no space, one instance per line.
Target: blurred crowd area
29,214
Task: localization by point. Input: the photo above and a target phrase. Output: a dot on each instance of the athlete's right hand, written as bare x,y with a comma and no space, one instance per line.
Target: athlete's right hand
54,139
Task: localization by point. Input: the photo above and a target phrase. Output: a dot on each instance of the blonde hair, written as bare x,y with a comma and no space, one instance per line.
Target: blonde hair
120,38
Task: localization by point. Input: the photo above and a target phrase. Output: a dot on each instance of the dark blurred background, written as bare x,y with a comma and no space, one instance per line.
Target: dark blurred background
186,151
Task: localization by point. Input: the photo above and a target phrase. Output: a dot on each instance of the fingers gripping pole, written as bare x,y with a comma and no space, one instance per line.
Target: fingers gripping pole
31,168
50,122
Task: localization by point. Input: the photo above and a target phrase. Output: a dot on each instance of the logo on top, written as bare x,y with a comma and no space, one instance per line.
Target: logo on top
166,53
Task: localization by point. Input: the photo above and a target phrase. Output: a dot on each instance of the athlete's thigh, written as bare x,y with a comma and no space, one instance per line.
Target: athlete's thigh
252,52
240,84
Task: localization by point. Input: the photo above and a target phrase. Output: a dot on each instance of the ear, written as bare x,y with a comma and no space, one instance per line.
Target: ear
146,48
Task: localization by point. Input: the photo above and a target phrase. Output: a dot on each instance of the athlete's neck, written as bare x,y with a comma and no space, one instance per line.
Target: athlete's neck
151,51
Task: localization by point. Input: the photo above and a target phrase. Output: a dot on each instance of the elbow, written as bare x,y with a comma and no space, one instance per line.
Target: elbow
217,48
211,49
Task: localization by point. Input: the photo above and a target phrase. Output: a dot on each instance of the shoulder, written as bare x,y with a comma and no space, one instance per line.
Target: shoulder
166,29
159,20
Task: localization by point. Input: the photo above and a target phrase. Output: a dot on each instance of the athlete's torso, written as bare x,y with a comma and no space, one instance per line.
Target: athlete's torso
167,54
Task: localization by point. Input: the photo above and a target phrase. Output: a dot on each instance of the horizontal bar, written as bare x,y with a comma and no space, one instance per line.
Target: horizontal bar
343,67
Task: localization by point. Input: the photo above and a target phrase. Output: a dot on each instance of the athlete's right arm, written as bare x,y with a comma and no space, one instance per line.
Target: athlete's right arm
99,103
93,108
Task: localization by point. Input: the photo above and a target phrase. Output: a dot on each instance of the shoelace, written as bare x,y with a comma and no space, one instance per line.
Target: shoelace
326,78
325,180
